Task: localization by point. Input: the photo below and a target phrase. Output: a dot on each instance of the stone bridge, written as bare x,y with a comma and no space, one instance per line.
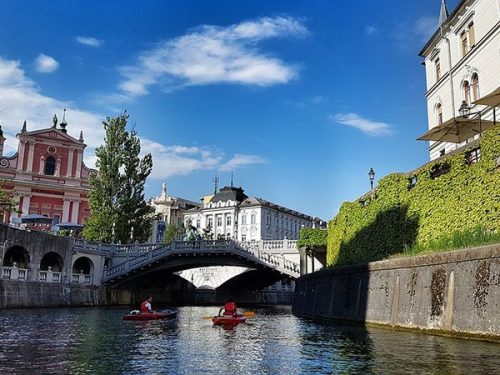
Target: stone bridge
261,255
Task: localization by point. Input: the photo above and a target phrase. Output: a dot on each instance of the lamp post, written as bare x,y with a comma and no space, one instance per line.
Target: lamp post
465,112
371,174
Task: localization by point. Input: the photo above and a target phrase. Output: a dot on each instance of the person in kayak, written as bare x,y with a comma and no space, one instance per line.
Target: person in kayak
146,305
229,308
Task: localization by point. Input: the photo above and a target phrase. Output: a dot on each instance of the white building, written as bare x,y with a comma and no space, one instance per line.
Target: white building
462,63
170,210
232,214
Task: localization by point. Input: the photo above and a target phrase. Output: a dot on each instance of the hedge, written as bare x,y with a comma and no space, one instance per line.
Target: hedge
416,209
312,237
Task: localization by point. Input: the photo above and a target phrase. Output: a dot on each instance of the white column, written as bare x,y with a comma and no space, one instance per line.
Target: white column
75,211
57,172
42,165
79,164
31,153
26,205
20,157
69,168
65,215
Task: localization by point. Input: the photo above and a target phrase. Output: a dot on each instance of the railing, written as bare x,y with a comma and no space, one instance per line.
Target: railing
49,276
80,278
252,251
14,273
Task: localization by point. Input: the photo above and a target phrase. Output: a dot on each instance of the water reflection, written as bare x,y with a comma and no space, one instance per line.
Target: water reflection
98,341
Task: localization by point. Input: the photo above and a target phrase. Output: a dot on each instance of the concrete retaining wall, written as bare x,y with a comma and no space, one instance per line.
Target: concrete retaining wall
455,293
38,294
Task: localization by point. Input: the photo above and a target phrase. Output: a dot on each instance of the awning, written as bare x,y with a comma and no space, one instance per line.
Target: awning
69,225
35,218
492,99
456,130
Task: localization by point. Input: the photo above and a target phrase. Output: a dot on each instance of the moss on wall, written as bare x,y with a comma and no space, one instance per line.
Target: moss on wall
443,197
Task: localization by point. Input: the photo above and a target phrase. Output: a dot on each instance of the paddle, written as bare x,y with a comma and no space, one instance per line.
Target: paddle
248,314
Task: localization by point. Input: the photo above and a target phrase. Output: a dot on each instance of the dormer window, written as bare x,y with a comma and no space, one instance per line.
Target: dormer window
50,166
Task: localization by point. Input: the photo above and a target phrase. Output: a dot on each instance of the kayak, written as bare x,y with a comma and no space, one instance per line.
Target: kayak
223,320
137,315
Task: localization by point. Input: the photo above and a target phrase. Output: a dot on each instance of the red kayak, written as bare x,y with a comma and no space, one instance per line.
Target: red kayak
137,315
223,320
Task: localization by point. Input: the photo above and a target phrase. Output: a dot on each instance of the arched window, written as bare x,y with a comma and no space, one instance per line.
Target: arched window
475,86
50,166
439,113
467,92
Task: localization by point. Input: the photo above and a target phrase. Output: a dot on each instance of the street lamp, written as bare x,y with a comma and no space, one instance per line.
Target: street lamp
371,174
465,112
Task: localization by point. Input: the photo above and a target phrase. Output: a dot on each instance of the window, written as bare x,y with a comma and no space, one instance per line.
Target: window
439,112
463,43
56,219
252,219
198,223
467,92
475,86
243,237
50,166
219,220
210,221
473,156
228,220
244,220
472,36
437,65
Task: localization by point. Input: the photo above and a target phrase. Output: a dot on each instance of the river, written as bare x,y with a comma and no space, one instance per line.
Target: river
98,341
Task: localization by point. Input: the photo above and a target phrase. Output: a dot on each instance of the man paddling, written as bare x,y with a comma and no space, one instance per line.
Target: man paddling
229,308
146,306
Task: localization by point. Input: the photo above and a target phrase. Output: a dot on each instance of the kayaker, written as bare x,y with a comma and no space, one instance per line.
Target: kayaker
229,308
146,305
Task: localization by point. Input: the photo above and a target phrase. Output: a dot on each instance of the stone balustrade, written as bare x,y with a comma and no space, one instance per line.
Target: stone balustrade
14,273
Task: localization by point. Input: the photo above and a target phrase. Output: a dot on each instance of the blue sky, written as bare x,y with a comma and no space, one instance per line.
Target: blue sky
298,98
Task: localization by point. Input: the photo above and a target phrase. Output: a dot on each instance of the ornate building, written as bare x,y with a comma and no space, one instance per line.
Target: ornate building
47,175
462,63
230,213
170,210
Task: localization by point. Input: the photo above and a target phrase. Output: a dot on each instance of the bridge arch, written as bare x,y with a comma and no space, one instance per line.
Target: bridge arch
83,265
17,255
52,260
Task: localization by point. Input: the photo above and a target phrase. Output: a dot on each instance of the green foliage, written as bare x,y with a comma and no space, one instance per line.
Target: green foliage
7,202
397,217
171,234
312,237
119,211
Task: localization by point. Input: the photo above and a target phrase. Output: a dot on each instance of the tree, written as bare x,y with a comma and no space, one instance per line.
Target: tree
118,210
171,234
7,202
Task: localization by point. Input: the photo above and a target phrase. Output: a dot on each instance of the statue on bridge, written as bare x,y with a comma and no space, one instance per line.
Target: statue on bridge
191,234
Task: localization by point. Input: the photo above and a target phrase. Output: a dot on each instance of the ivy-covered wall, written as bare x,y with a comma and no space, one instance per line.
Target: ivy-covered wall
421,207
312,237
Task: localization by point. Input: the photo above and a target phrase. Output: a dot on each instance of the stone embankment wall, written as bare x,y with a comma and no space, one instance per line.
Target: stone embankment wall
455,293
39,294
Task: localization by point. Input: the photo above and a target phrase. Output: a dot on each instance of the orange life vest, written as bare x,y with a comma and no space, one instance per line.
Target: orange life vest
230,308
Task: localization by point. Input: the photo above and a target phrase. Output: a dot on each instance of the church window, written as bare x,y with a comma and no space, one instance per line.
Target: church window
437,65
50,166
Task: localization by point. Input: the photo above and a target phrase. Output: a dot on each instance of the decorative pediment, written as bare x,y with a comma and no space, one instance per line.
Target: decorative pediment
51,134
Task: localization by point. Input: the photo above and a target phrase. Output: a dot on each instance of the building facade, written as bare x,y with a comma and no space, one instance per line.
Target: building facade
462,63
230,213
47,175
170,210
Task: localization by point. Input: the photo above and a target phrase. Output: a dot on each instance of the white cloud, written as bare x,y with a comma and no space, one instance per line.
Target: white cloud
46,64
370,29
88,41
212,54
240,160
20,99
367,126
426,26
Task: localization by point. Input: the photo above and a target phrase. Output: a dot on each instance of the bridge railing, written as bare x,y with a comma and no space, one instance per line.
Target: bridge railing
14,273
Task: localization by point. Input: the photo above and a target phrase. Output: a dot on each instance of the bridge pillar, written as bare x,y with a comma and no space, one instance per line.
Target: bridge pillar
303,260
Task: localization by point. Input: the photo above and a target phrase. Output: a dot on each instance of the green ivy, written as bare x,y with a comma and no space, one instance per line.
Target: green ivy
312,237
414,211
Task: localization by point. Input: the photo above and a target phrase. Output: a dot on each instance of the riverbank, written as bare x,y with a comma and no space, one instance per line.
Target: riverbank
455,293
